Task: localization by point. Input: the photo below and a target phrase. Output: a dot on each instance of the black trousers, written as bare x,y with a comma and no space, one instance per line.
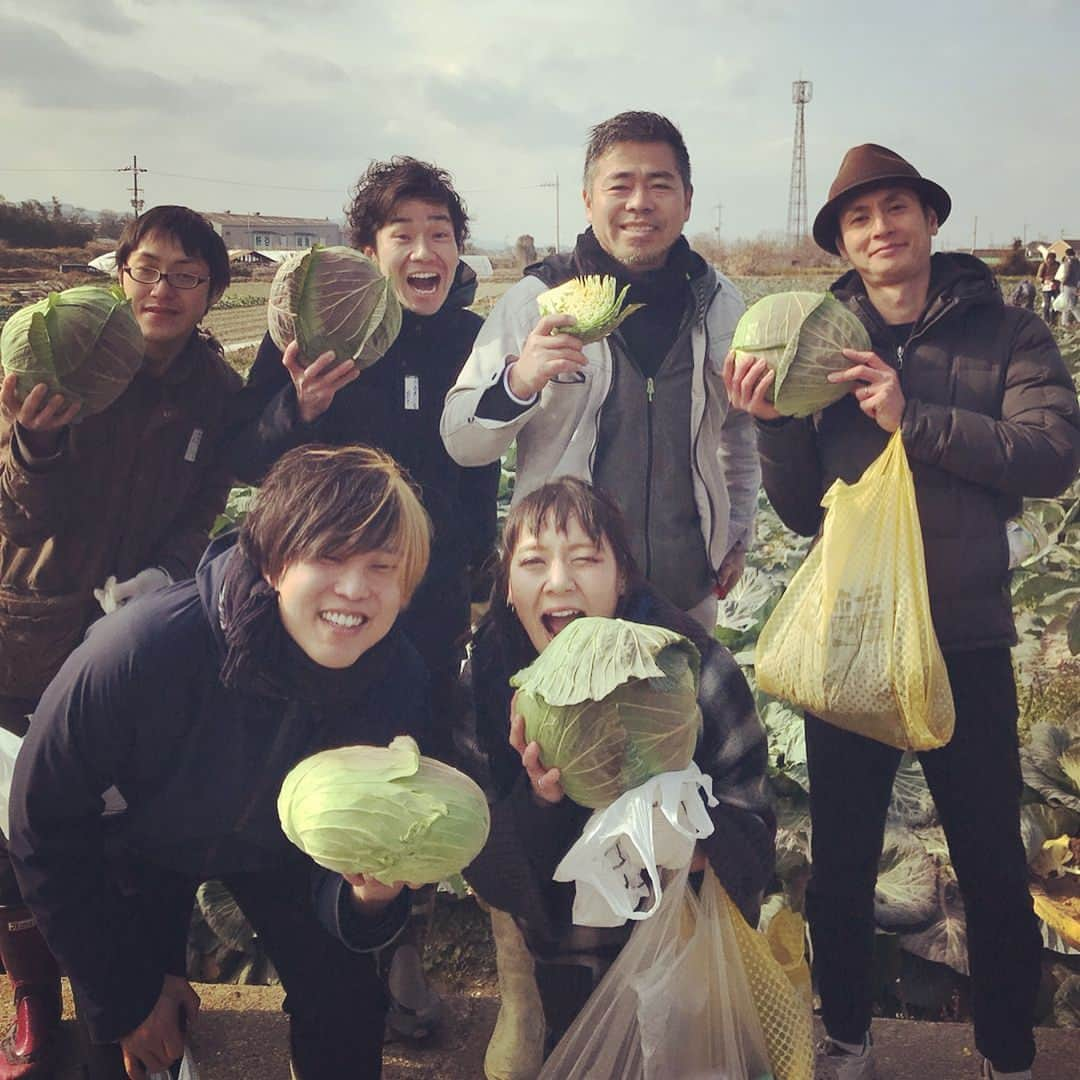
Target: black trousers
976,784
334,998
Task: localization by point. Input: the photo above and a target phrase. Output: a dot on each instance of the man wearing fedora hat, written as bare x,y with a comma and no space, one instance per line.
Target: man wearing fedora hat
988,414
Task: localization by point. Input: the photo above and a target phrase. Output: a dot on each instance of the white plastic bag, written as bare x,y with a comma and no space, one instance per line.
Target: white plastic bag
621,847
10,745
188,1070
675,1004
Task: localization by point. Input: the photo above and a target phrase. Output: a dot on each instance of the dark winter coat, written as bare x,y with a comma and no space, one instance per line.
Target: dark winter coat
527,841
991,416
141,706
137,485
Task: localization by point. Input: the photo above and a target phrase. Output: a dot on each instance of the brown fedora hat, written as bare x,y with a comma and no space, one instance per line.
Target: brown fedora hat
867,166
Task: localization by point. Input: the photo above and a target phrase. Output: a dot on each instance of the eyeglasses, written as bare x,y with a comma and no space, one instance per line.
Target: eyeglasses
150,275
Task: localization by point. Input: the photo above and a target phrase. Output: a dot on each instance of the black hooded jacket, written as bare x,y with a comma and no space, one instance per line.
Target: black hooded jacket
141,706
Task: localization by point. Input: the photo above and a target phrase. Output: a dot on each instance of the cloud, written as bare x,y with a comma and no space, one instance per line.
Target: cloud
101,16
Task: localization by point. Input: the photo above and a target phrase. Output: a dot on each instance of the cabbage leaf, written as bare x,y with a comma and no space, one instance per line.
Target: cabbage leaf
800,335
385,811
591,300
83,343
612,704
333,298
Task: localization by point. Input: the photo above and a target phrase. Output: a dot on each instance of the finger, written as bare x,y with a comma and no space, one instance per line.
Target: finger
861,373
867,357
291,359
323,364
134,1067
517,733
548,323
9,394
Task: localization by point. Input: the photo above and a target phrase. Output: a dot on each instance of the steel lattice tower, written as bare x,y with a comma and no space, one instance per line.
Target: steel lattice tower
801,92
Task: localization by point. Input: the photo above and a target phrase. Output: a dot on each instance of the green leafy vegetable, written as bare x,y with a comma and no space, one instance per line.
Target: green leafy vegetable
800,335
611,703
384,811
592,302
83,343
333,298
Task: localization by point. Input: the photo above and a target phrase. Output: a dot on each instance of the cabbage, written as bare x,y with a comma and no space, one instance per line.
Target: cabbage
333,298
592,302
800,335
83,343
611,703
384,811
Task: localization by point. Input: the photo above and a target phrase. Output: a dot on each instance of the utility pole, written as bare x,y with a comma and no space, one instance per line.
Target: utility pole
555,185
974,234
133,168
719,208
801,93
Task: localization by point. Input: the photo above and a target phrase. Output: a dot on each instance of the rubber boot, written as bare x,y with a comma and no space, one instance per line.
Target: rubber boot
26,1049
415,1006
516,1049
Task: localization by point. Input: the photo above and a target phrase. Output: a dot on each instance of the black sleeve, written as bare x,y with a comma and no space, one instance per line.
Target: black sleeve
264,422
479,492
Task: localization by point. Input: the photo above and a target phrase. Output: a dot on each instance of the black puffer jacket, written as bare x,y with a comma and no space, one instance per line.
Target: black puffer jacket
371,410
991,417
141,706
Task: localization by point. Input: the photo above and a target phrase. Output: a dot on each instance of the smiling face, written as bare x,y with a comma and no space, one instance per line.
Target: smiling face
166,315
556,577
337,609
637,203
417,250
885,234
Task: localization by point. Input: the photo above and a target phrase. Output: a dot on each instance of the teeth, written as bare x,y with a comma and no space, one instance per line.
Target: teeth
339,618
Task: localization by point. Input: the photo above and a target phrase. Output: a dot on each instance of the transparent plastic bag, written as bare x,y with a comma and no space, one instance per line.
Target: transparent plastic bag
693,994
851,639
185,1069
10,745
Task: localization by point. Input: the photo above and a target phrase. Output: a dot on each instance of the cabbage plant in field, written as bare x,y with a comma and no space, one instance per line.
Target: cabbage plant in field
611,703
384,811
83,343
333,298
592,301
800,335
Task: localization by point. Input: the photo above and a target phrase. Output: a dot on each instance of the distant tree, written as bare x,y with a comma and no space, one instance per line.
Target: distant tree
524,251
33,225
110,223
1015,263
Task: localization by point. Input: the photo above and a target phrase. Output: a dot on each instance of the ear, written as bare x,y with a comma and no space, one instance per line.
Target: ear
586,198
368,250
932,221
841,249
689,200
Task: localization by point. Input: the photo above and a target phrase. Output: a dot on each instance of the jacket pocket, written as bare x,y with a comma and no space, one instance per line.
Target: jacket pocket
37,632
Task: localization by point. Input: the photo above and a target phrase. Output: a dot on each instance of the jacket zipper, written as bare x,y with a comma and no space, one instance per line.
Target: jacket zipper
650,393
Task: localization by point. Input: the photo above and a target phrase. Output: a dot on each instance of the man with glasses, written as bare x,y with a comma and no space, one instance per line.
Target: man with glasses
92,514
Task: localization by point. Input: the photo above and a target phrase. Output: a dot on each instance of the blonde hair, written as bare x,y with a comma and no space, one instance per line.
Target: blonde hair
337,501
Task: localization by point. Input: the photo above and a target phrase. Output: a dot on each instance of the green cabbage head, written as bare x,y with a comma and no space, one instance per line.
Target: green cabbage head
83,343
800,335
611,703
385,811
333,298
592,302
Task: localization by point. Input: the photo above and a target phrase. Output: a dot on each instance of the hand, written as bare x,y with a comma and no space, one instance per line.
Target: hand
317,383
730,571
115,594
748,379
370,894
544,355
880,396
41,415
159,1040
544,782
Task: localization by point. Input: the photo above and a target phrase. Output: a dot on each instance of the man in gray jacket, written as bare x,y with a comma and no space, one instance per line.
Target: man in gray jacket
988,414
643,413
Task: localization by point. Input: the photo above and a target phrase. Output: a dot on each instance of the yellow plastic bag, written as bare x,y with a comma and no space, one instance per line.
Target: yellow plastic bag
851,639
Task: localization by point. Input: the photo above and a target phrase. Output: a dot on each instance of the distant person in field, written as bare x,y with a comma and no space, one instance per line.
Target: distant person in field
1069,276
1046,275
1023,295
988,415
406,215
649,421
97,513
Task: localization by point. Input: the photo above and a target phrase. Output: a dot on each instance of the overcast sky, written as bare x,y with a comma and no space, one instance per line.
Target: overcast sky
278,105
